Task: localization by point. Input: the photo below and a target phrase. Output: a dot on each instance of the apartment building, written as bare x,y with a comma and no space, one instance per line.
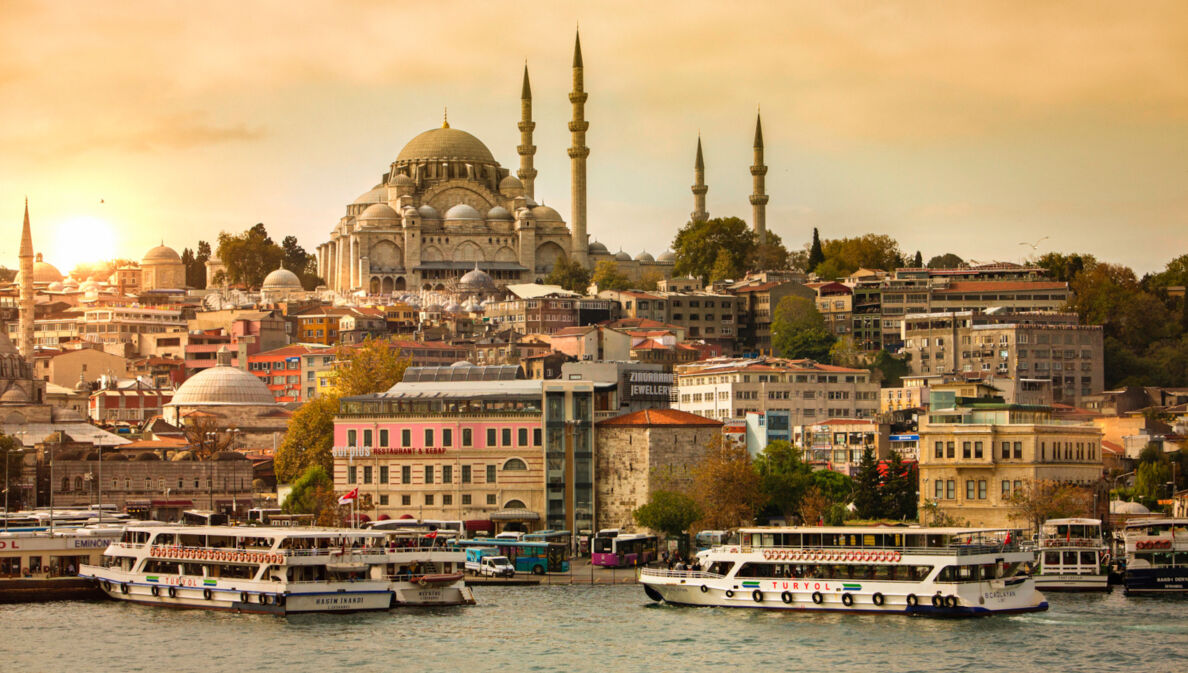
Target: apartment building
756,307
283,370
835,302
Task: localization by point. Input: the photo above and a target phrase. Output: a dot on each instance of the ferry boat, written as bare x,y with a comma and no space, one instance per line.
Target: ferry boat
40,565
247,569
423,569
879,569
1156,556
1073,556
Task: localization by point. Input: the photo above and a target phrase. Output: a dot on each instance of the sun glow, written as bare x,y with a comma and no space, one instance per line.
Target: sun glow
80,239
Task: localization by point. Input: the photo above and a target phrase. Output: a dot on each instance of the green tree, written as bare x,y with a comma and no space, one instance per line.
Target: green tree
771,255
837,487
816,254
798,330
195,263
723,268
668,512
889,369
784,477
250,256
1065,268
726,487
608,277
844,353
698,244
1151,479
11,464
946,261
313,493
570,275
300,262
308,439
869,499
918,260
869,251
371,367
650,280
901,484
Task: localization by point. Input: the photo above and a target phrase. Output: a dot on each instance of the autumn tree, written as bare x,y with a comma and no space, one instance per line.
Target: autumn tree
371,367
608,277
798,330
1036,502
250,256
812,506
206,435
650,280
668,512
771,255
844,353
570,275
869,251
726,487
308,440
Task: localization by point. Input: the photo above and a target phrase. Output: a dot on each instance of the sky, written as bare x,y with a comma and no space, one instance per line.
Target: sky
966,127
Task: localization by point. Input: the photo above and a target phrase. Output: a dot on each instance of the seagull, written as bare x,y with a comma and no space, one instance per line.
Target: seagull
1036,244
100,201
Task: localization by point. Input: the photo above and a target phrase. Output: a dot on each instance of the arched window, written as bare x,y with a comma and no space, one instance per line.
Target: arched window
515,464
78,484
65,484
514,504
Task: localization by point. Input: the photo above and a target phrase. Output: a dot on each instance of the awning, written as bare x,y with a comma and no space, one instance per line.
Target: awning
515,515
477,524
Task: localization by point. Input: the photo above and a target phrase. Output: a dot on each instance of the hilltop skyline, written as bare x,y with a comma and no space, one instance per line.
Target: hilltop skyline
966,130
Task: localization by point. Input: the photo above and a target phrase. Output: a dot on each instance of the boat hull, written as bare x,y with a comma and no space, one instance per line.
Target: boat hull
1139,581
1072,582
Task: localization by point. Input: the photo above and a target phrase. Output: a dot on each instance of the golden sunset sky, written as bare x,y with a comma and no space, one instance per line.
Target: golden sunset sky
953,126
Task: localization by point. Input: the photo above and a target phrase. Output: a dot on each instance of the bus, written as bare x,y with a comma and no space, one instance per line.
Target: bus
537,558
561,536
708,539
613,549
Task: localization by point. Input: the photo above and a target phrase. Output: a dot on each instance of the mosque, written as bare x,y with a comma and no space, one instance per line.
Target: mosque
446,208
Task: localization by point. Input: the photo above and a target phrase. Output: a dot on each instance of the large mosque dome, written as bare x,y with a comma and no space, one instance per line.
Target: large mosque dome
222,385
281,279
43,272
446,144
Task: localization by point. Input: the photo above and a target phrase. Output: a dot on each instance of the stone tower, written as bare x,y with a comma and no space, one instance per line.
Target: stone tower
577,158
526,149
758,198
26,308
699,189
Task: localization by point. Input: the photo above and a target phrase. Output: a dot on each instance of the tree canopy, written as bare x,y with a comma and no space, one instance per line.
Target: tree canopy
946,261
608,277
798,330
784,477
668,512
308,440
250,256
371,367
699,245
843,256
570,275
11,464
726,487
313,493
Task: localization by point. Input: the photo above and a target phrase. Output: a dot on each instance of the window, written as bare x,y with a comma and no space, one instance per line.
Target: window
366,474
981,489
406,474
367,438
1006,450
940,452
969,489
977,449
515,465
428,437
406,437
447,474
447,500
490,474
383,437
352,437
1006,489
490,437
428,474
406,500
467,437
1018,449
447,437
383,474
950,449
506,436
950,489
965,450
465,498
939,490
490,498
428,498
351,473
522,437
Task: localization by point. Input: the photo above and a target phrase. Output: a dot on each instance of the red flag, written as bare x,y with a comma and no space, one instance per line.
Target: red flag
349,497
432,535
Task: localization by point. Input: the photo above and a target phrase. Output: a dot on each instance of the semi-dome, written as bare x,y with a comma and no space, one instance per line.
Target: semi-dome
509,184
546,214
282,279
55,287
378,211
622,256
1123,507
373,195
162,254
446,144
402,180
224,386
14,394
667,256
428,212
463,211
645,256
499,213
597,248
477,280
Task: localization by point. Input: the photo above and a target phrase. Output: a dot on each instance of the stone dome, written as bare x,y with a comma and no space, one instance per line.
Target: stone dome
402,180
428,212
477,280
378,211
282,279
373,195
14,394
55,287
223,385
43,272
597,248
622,256
546,214
162,254
645,256
446,144
463,212
510,184
453,307
1121,507
499,213
667,256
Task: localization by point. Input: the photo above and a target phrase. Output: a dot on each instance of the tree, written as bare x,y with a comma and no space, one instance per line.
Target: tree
869,500
901,486
313,493
308,440
869,251
608,277
946,261
784,477
816,254
11,464
798,330
1064,267
195,263
918,260
371,367
889,369
844,353
1151,479
570,275
772,254
697,247
250,256
812,507
726,487
723,268
668,512
837,487
206,436
1036,502
300,262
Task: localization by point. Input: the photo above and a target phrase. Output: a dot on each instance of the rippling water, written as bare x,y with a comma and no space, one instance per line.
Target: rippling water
583,628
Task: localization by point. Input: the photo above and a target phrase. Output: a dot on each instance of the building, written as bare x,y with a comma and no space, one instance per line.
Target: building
974,454
283,371
1020,346
835,302
838,443
162,269
132,401
725,388
706,316
643,452
281,285
622,387
125,324
592,342
758,299
66,368
472,443
763,428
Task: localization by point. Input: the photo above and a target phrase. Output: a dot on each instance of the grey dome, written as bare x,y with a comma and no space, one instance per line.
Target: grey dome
477,280
645,256
282,279
499,213
597,248
546,214
463,212
402,180
223,385
510,183
622,256
446,144
374,195
428,212
667,256
162,254
378,211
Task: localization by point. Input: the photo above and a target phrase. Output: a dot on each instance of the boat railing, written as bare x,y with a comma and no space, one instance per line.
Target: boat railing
679,574
965,549
1048,543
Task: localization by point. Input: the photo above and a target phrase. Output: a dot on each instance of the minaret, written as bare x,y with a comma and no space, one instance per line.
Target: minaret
699,188
25,323
758,198
577,158
526,149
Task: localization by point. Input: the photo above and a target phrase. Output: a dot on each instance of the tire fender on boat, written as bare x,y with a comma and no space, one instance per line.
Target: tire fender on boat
173,592
156,591
729,593
847,599
757,595
912,601
124,588
704,588
817,597
951,602
786,597
206,594
877,598
938,601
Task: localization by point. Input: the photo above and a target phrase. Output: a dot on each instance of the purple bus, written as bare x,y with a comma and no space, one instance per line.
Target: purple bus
613,549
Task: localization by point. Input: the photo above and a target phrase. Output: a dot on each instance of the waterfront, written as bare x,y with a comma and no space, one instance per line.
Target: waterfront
589,628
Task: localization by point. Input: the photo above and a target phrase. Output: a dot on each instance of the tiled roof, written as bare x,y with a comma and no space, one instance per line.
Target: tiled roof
660,417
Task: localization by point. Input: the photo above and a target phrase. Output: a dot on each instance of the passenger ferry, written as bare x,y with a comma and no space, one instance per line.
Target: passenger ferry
423,568
247,569
896,570
1073,556
1156,556
39,565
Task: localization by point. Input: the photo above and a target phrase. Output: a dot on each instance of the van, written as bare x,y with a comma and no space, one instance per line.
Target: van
487,562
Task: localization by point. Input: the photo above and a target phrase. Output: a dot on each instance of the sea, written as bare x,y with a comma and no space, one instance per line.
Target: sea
608,629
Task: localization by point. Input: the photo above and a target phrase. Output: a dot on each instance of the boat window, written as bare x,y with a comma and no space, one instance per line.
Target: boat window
1052,558
721,567
1070,558
958,574
1089,558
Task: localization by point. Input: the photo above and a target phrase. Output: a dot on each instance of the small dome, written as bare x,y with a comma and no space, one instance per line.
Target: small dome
43,272
70,283
402,180
1121,507
597,248
428,212
453,307
282,279
509,184
379,211
374,195
645,256
462,212
546,214
14,394
667,256
477,280
55,287
622,256
162,254
499,213
222,385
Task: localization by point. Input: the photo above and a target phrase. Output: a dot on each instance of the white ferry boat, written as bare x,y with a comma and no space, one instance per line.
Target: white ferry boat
423,569
903,570
40,565
1073,556
247,569
1156,556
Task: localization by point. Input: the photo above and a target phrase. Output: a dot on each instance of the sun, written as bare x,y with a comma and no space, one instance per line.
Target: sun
81,239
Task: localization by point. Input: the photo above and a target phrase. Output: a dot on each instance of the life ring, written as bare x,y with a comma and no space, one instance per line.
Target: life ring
124,588
767,554
704,588
1165,544
729,593
897,557
280,599
817,597
1142,544
877,598
938,601
757,595
155,590
786,597
912,601
206,594
243,596
951,602
847,599
173,592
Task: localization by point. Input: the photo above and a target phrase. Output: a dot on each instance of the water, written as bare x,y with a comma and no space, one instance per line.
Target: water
593,628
